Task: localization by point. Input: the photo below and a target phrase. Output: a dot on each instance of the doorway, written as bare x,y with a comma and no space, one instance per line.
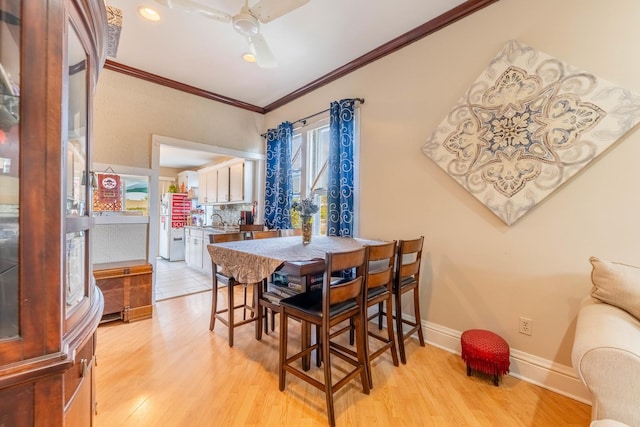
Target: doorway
203,152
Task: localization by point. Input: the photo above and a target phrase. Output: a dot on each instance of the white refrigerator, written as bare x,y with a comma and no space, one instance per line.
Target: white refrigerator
173,218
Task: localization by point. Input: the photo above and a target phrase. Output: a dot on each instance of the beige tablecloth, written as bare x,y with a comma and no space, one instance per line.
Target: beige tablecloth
250,261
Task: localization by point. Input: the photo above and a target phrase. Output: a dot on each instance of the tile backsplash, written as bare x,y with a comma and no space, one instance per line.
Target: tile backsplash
230,213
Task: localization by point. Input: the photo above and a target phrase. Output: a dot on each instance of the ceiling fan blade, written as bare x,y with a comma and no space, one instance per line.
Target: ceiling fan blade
191,6
260,49
268,10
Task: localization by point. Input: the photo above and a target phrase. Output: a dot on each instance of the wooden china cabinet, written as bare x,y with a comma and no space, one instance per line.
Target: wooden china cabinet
50,55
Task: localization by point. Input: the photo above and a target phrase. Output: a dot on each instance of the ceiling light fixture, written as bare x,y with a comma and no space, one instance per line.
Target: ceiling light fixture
249,57
148,13
245,23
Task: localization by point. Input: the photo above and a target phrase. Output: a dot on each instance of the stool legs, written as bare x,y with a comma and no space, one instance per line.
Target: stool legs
214,302
400,321
496,377
231,311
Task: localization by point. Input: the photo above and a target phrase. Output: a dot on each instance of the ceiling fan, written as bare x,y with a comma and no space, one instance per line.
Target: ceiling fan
246,22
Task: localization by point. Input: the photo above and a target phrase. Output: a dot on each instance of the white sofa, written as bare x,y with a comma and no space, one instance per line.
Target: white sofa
606,348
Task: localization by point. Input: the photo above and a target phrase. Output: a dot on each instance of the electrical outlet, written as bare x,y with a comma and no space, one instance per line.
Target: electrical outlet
526,326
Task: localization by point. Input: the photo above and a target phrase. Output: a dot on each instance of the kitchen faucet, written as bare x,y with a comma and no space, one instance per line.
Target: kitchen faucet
220,217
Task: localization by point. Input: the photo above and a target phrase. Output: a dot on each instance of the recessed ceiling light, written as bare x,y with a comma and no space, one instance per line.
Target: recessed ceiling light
149,13
249,57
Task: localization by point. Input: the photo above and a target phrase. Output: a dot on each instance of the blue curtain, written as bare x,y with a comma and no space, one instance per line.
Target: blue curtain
279,181
340,191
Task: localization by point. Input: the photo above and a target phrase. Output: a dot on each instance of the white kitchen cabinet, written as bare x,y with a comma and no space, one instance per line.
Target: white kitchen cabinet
223,184
228,182
197,252
212,186
206,258
187,248
231,184
193,247
208,186
202,188
236,182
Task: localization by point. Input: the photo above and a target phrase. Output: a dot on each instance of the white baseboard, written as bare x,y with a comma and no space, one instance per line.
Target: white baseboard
558,378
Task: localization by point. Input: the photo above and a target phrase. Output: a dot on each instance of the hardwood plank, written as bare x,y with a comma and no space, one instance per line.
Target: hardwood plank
172,371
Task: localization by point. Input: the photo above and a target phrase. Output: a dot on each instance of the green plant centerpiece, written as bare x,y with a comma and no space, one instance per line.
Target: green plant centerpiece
306,208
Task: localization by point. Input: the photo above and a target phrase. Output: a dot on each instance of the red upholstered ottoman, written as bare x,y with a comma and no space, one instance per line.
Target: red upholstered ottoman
486,352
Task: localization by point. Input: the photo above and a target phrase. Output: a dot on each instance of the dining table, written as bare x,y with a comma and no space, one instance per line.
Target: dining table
252,261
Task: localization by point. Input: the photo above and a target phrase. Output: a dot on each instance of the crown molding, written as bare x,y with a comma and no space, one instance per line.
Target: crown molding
429,27
163,81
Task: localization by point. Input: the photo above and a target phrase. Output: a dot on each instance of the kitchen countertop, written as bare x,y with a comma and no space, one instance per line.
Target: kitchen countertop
216,229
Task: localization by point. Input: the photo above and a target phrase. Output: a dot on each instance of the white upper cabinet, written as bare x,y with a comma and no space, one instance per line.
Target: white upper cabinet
223,184
212,186
202,187
228,182
236,182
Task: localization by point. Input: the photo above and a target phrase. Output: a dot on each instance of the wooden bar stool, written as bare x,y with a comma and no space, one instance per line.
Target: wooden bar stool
286,232
407,279
229,282
265,234
379,289
333,304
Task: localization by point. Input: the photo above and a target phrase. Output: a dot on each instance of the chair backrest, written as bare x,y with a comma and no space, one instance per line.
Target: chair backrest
251,227
380,265
267,234
347,288
291,232
408,260
225,237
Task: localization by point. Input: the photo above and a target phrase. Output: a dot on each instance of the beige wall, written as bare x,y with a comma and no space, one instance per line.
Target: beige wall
127,111
478,272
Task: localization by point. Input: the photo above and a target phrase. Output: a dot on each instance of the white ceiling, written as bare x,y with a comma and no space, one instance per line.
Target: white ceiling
183,158
308,43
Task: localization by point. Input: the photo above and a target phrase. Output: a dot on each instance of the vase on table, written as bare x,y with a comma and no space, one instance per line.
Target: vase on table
306,228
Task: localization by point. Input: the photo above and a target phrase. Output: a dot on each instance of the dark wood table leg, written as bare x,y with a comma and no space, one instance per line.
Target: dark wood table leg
230,306
257,291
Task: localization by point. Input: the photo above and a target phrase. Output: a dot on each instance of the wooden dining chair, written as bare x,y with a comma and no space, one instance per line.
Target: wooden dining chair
229,282
247,229
325,308
265,234
304,272
379,290
407,279
286,232
263,300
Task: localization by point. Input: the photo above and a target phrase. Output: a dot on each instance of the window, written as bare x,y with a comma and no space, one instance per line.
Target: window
121,193
309,156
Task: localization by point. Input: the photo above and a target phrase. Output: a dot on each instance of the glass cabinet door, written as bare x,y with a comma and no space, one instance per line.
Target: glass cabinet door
77,179
9,162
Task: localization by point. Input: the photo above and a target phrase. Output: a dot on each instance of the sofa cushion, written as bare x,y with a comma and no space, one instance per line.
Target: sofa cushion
616,284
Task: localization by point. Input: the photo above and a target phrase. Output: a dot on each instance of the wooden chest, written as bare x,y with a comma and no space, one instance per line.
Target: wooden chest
126,287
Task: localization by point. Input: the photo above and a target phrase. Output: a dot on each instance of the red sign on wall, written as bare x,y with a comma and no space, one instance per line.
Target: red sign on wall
107,196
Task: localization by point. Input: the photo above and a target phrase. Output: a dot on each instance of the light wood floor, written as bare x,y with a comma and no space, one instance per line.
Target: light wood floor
172,371
175,278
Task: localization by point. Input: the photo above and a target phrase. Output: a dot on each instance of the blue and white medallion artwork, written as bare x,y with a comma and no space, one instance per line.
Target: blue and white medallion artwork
525,126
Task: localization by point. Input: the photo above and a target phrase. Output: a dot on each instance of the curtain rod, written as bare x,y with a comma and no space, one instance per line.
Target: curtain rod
304,119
